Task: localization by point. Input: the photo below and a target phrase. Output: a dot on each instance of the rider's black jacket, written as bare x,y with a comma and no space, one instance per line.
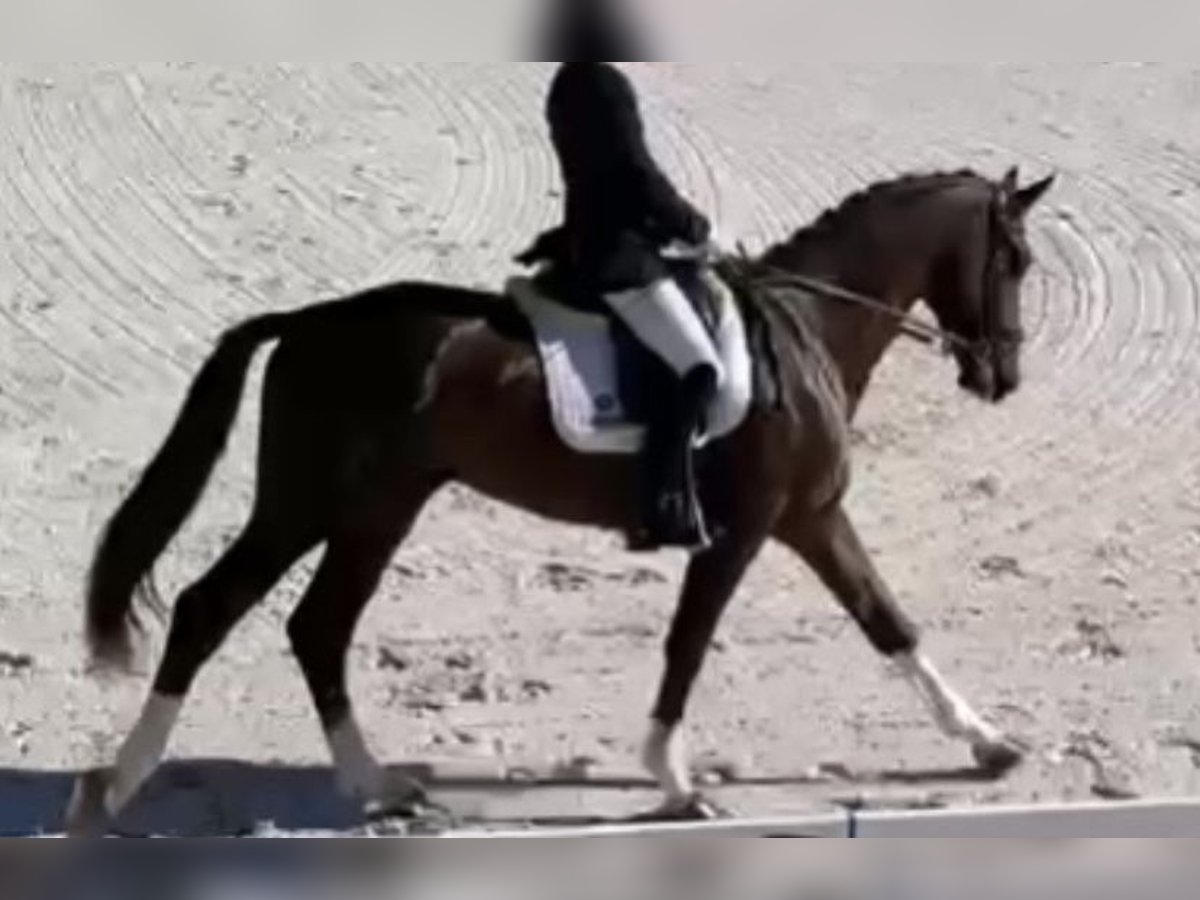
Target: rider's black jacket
621,210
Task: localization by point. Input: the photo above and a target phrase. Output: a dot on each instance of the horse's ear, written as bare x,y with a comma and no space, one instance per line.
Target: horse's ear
1027,198
1011,182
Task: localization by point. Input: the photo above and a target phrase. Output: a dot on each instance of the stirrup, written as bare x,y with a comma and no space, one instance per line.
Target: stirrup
643,540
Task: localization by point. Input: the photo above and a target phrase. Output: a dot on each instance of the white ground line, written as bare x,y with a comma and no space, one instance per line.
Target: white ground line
1152,819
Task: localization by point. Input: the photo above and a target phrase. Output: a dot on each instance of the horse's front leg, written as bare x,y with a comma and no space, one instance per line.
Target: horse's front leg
829,543
712,579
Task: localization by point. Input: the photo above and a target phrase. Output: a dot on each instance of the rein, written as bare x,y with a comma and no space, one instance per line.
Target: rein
910,325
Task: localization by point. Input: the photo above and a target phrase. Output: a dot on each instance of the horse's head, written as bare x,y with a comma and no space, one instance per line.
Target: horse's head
975,288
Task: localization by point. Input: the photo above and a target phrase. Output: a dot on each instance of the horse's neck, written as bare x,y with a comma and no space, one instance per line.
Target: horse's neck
856,336
888,259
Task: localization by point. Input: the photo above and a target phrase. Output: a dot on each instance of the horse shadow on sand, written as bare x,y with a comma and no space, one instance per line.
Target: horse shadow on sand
211,799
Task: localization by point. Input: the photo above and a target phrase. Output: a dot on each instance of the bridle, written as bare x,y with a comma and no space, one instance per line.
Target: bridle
998,337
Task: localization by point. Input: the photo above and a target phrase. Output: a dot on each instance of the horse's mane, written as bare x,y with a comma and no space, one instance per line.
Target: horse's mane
859,207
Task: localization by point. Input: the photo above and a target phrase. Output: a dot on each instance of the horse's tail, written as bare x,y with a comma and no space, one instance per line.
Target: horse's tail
169,490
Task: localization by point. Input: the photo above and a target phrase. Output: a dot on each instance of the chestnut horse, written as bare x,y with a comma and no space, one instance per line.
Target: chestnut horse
373,403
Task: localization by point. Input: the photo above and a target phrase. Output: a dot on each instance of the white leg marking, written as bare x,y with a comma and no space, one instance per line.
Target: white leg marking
143,750
666,758
360,776
954,716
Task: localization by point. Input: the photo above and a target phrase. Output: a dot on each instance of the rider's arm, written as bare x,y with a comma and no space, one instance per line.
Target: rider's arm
673,215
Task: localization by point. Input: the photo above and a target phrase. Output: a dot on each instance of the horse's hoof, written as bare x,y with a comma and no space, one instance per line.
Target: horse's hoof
87,815
694,809
999,758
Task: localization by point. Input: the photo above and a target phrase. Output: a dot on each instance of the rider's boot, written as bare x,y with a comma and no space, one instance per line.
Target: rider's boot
673,512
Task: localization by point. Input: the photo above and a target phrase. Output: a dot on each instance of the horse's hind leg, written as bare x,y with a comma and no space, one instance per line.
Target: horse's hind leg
829,543
323,627
203,618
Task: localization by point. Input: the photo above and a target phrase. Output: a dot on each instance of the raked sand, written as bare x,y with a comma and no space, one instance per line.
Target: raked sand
1050,548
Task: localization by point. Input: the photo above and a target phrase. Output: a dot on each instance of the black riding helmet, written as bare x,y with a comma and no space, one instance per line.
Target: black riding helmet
590,31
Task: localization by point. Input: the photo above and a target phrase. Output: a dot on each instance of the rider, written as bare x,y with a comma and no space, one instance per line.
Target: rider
621,213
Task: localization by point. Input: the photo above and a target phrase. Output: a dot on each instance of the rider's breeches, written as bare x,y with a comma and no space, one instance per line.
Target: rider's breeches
661,316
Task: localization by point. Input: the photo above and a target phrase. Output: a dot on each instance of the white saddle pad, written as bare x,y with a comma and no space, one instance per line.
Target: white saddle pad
580,363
